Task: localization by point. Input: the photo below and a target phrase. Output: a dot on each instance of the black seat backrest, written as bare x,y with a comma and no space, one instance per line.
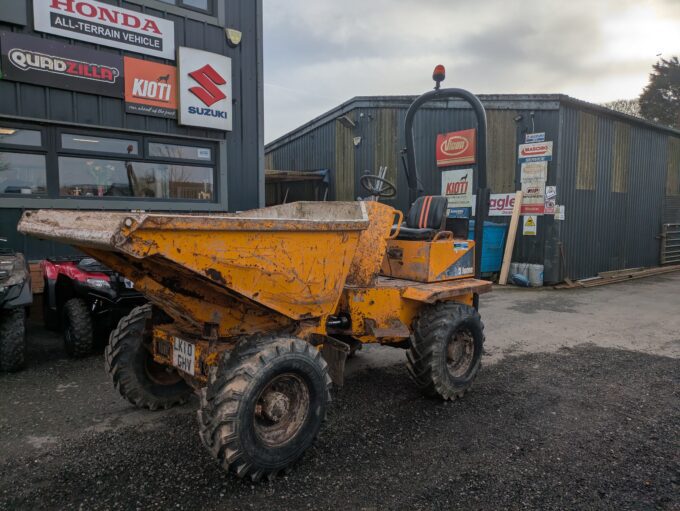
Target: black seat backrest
428,213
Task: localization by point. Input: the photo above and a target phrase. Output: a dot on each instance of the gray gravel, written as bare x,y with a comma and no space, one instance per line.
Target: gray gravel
587,428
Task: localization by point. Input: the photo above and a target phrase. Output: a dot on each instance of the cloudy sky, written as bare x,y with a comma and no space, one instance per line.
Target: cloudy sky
319,53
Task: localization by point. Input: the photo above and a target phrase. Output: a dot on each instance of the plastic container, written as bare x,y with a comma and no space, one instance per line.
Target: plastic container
536,275
493,245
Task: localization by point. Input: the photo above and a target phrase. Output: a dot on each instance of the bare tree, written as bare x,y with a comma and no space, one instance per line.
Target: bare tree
625,106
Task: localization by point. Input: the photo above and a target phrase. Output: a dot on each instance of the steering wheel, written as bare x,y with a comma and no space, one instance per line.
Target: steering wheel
378,186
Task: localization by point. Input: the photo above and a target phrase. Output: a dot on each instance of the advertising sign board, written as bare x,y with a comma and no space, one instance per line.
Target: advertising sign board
150,88
457,148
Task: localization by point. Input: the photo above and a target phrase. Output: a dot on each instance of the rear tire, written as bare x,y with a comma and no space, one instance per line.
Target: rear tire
264,405
446,351
78,336
12,339
138,378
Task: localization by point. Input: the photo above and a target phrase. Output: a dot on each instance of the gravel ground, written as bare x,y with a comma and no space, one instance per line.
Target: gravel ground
577,406
584,428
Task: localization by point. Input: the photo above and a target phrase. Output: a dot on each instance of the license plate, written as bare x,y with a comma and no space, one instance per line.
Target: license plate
184,356
128,284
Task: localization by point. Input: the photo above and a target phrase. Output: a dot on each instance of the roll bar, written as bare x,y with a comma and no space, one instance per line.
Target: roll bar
411,169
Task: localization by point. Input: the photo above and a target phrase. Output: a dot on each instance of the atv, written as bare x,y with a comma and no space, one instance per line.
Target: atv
15,299
85,300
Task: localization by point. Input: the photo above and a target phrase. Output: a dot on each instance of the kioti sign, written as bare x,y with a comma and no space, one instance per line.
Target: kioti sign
457,188
150,88
41,61
205,88
100,23
457,148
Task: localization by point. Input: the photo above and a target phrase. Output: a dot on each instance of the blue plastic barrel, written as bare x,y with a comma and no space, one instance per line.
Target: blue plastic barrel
493,246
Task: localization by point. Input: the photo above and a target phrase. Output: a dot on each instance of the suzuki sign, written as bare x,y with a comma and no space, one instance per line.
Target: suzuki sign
106,24
205,89
457,148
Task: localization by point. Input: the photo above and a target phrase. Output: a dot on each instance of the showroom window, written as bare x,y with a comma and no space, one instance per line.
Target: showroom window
151,168
194,5
99,144
23,162
22,174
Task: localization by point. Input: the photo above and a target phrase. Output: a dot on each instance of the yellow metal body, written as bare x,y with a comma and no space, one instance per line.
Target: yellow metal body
430,261
283,269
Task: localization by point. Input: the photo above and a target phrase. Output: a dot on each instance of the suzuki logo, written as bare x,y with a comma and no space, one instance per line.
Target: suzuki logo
208,79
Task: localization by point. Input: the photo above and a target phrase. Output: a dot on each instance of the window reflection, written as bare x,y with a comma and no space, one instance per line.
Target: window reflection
179,152
16,136
90,177
99,144
23,174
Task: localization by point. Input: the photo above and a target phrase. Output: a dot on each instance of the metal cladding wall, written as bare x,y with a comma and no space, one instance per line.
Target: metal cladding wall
611,171
239,179
611,223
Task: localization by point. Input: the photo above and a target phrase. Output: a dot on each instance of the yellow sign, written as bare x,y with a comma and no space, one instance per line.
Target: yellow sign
530,225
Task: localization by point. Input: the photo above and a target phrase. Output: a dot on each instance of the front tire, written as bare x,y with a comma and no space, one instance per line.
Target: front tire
264,405
78,335
138,378
12,339
446,349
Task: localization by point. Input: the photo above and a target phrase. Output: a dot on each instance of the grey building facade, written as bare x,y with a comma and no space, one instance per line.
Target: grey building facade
85,142
618,177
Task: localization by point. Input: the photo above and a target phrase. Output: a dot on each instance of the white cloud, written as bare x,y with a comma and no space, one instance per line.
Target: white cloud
319,54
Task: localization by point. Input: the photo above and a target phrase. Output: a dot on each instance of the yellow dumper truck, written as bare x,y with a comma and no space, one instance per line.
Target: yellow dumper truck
257,311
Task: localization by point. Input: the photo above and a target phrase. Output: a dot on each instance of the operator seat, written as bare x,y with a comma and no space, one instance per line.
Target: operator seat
425,219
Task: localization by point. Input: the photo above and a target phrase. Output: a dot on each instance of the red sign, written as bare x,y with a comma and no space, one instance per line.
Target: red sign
209,81
457,148
150,88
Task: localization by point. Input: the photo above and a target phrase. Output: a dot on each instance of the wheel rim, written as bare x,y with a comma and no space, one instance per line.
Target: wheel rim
281,410
160,374
460,353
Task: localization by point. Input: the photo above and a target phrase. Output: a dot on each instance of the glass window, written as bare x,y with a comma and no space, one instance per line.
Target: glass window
23,174
86,177
179,152
197,4
18,136
99,144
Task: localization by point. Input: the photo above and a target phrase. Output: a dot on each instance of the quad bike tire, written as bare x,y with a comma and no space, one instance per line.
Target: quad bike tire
78,329
446,349
12,339
135,374
264,405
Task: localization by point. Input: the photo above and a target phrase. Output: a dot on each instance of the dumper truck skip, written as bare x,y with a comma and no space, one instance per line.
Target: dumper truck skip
257,311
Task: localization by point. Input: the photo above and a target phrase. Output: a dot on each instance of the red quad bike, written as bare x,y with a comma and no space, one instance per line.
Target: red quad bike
85,300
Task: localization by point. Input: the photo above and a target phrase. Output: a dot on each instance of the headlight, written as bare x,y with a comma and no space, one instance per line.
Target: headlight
99,283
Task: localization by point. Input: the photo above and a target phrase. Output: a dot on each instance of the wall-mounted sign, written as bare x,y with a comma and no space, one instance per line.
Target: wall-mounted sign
532,138
205,89
457,188
41,61
535,171
457,148
150,88
110,25
533,202
530,225
540,151
500,204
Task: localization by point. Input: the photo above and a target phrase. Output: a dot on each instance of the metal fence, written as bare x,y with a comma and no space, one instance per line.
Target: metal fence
670,244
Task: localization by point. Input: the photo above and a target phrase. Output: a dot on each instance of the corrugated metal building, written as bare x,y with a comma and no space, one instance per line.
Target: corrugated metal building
65,143
617,176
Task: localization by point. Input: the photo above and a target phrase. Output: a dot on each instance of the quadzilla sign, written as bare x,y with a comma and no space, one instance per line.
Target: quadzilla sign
205,89
150,88
40,61
110,25
457,188
457,148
